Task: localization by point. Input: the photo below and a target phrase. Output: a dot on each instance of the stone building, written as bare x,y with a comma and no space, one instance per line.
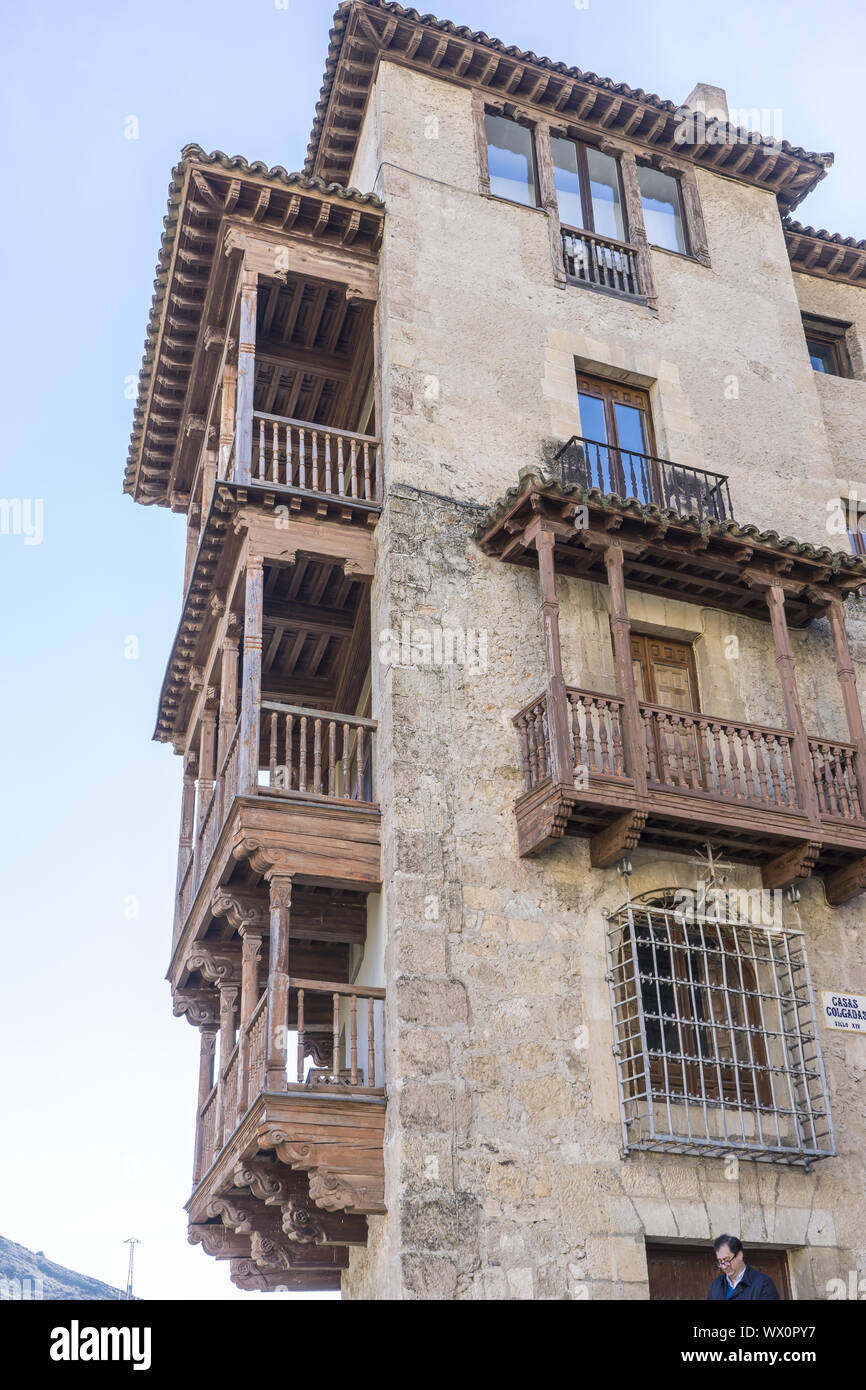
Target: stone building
523,823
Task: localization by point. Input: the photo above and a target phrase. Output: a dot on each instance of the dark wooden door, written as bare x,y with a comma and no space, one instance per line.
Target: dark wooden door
685,1272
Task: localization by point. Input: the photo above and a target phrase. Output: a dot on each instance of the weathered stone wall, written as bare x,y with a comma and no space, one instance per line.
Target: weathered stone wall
503,1170
843,399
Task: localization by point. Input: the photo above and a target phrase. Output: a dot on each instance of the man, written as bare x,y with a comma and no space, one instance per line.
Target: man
736,1279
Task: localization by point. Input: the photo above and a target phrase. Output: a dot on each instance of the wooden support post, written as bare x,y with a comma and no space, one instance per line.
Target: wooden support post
561,762
250,957
636,230
226,1116
228,704
193,533
206,778
549,201
246,377
227,419
848,683
802,758
280,888
208,483
251,698
187,817
633,729
205,1085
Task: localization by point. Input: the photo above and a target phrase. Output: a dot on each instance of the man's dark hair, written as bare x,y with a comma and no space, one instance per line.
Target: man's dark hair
734,1245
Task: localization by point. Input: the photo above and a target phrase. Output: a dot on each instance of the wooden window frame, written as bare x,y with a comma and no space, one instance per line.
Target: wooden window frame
611,394
584,184
517,116
830,333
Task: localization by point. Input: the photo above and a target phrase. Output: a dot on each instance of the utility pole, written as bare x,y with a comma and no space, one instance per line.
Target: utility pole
131,1242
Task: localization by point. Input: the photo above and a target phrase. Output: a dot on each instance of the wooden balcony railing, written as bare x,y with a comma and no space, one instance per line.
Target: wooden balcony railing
348,1040
317,753
207,1136
596,260
257,1038
229,1109
692,753
834,768
185,892
688,491
228,773
297,454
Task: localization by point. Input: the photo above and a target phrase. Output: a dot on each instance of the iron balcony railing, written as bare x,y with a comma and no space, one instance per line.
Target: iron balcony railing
627,473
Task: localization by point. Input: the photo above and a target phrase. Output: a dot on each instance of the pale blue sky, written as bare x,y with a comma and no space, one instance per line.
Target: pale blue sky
99,1080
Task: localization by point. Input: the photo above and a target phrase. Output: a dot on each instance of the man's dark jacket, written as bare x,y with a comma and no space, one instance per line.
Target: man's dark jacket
752,1285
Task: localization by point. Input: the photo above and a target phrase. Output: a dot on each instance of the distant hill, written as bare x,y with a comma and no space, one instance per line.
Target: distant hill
19,1264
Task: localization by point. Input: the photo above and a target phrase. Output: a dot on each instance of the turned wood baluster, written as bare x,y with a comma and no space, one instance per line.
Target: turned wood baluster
367,492
692,743
852,785
705,775
302,458
302,772
843,781
524,754
335,1061
275,460
718,756
272,762
589,706
652,765
347,788
353,1039
317,756
756,771
817,771
301,1041
788,771
602,735
332,757
735,742
830,781
261,449
359,765
340,466
618,763
314,466
290,463
371,1046
327,463
773,752
576,753
676,723
532,739
353,467
290,776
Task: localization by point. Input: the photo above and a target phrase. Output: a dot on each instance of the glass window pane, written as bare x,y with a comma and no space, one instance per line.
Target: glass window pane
511,161
660,200
604,193
567,181
599,463
822,356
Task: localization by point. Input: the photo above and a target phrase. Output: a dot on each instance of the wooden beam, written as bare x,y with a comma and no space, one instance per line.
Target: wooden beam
792,866
616,840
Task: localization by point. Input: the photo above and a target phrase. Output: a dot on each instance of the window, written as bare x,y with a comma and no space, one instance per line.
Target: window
661,202
511,161
588,189
664,672
715,1031
825,342
617,439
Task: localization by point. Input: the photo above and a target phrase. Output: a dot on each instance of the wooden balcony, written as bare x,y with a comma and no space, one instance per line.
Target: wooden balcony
289,1141
621,772
700,778
298,455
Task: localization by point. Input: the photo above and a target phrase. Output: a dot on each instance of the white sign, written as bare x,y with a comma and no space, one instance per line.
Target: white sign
844,1011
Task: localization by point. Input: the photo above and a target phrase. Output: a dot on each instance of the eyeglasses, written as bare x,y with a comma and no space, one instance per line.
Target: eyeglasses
728,1261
